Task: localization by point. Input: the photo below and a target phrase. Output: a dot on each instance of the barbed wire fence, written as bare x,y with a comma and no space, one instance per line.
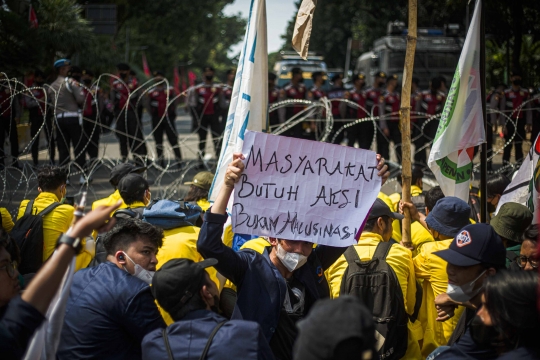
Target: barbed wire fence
20,182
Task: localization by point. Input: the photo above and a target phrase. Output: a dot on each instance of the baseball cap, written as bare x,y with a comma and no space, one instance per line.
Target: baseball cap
381,74
121,170
449,215
334,328
132,185
511,221
379,209
475,244
202,180
62,62
177,281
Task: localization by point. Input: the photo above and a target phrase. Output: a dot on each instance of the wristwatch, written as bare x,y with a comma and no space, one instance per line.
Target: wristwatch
75,243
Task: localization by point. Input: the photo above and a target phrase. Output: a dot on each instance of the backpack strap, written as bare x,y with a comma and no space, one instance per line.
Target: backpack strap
209,342
167,346
129,212
29,206
382,249
48,209
351,255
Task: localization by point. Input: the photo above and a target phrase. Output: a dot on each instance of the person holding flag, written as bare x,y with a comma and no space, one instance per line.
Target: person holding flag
461,126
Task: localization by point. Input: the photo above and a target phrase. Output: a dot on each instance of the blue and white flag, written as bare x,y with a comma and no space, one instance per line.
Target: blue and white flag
249,100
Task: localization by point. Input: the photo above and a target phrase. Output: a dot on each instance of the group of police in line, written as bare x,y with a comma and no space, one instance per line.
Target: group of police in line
77,108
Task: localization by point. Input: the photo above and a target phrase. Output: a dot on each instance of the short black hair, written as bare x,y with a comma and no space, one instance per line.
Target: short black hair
272,76
51,178
123,67
531,233
127,231
196,193
496,184
371,223
296,70
231,71
432,196
436,83
417,174
208,68
194,303
316,74
39,73
416,81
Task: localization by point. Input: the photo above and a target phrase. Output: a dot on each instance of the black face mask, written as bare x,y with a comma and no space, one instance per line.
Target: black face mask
87,82
517,82
209,77
491,208
482,334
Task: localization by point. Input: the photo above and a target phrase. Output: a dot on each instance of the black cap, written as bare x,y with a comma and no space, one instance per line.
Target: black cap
359,76
121,170
381,74
379,209
123,67
177,281
475,244
132,186
334,328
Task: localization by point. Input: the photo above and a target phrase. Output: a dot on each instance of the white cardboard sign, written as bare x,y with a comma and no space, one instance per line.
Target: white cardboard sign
304,190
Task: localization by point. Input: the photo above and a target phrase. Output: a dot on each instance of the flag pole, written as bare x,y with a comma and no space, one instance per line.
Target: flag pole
483,153
405,122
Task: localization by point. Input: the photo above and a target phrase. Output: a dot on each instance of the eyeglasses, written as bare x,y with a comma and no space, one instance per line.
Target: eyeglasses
10,269
522,261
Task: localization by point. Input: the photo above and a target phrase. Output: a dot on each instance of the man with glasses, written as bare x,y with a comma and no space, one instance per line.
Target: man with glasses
527,258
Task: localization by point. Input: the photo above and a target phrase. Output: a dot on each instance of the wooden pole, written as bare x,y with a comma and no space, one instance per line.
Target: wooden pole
405,122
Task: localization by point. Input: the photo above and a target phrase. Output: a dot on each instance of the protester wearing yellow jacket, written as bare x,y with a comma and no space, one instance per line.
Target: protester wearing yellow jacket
448,217
52,187
7,221
378,228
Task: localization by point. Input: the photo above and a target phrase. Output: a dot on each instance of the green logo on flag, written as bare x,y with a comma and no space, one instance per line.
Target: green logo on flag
449,106
450,170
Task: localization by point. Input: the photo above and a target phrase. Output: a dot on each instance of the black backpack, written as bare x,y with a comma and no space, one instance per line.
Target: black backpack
28,234
101,254
376,284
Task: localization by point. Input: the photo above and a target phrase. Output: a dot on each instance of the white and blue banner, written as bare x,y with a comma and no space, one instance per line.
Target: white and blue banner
249,100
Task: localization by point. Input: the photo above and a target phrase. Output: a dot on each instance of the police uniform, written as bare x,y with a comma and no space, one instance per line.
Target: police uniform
392,103
297,92
273,97
495,101
91,125
334,95
520,114
225,103
204,99
430,103
128,125
362,132
9,111
163,112
375,108
39,118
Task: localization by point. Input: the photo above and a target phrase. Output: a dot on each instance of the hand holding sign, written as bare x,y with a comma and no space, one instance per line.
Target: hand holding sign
304,190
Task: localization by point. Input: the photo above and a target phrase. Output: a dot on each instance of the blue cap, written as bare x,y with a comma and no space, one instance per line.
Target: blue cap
449,215
475,244
61,62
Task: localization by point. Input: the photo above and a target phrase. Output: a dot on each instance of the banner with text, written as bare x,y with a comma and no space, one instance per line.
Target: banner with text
304,190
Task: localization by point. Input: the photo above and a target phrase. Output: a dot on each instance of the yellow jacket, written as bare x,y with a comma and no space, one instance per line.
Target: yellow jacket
108,201
204,204
181,243
432,269
7,221
400,259
54,224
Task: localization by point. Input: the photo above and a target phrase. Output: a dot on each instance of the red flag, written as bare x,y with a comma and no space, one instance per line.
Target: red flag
32,18
192,77
145,66
176,80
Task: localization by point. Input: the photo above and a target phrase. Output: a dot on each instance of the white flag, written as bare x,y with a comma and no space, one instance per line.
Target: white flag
249,100
461,126
525,186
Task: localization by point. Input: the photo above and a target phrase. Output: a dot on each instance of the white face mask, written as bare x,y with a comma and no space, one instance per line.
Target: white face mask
464,292
291,261
140,272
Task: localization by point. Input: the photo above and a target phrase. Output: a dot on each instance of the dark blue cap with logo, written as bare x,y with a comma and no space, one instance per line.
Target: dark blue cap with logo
475,244
449,215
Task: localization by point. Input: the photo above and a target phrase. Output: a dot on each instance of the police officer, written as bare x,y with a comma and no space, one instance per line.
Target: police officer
226,94
417,137
316,92
39,117
67,99
375,107
431,102
495,102
362,132
204,101
10,114
295,90
392,103
517,107
91,109
273,97
335,94
162,104
128,124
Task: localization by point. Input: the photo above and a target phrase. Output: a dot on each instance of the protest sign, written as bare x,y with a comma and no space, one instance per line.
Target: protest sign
304,190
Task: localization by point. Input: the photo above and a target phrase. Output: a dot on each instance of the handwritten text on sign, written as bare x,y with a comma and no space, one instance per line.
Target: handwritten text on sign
304,190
